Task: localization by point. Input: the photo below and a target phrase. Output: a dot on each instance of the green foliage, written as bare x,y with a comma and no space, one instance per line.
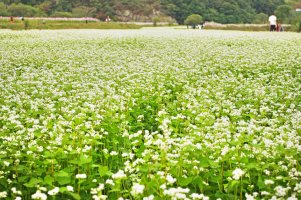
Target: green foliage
3,10
138,113
260,18
83,11
63,24
62,14
155,21
283,13
230,11
24,10
193,20
26,24
296,22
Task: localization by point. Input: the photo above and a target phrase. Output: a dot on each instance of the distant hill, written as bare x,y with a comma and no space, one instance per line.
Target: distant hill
222,11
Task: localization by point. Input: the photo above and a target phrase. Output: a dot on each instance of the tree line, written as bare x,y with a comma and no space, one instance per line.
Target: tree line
221,11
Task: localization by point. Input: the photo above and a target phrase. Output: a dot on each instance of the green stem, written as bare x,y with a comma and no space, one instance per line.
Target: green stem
222,177
78,187
241,188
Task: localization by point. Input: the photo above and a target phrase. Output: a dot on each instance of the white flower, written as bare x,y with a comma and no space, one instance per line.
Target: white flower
151,197
110,182
280,191
81,176
6,163
176,192
237,173
263,193
18,198
293,197
195,196
249,197
180,196
268,182
99,197
39,195
137,189
70,188
170,179
15,191
3,194
119,175
163,186
113,153
297,188
42,188
54,191
100,187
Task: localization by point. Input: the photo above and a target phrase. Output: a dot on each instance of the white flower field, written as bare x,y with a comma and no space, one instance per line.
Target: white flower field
150,114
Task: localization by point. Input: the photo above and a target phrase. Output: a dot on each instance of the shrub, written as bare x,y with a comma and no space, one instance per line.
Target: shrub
193,20
283,13
261,18
25,10
83,11
62,14
3,10
296,23
155,21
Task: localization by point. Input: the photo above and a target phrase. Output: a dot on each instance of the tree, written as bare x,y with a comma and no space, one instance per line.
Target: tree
296,22
3,10
260,18
24,10
283,13
193,20
221,11
62,14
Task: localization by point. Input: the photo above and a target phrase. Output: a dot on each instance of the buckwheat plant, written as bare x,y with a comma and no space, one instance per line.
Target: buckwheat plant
150,114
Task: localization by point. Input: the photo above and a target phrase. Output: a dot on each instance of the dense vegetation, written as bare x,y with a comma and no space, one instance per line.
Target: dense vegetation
140,114
63,24
223,11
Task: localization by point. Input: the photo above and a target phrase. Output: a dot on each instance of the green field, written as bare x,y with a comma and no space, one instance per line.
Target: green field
150,114
40,24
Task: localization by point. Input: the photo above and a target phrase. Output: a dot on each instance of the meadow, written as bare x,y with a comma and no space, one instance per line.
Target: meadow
150,114
61,23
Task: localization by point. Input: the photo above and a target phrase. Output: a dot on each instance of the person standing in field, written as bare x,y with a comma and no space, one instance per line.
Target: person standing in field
108,19
273,22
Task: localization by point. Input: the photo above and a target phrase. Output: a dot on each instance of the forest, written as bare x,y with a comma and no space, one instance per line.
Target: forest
221,11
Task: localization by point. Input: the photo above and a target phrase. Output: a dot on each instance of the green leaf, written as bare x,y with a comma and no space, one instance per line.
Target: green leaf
103,170
48,154
232,185
23,179
260,182
184,181
62,178
204,162
253,166
63,189
33,182
49,180
74,195
85,160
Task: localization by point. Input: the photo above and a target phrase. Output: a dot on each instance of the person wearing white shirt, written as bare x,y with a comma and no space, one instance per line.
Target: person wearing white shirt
273,22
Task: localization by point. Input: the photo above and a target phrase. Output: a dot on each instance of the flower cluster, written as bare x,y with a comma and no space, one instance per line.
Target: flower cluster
150,114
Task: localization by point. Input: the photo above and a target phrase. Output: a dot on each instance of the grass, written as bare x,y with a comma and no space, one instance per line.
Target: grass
51,24
243,27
